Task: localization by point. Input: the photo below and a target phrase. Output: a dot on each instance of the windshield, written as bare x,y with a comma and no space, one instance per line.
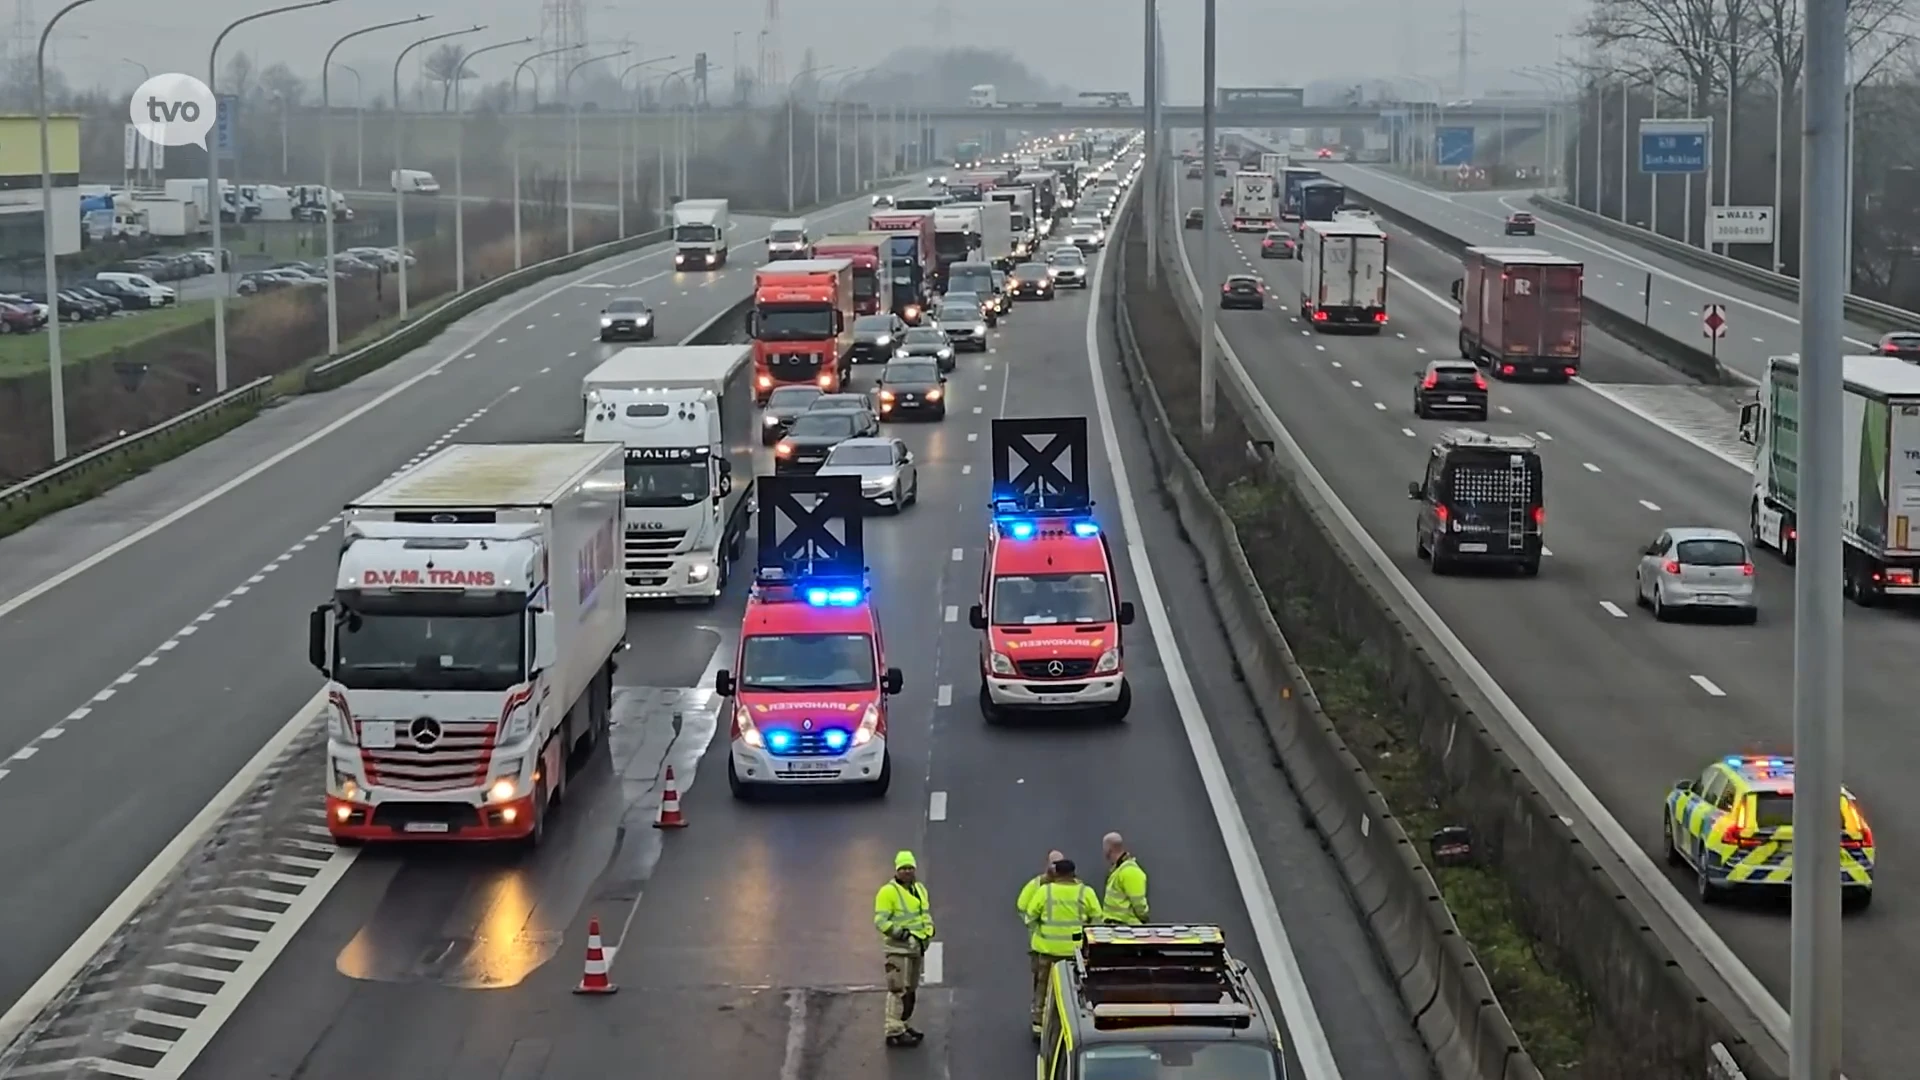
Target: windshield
627,306
1067,257
899,374
823,424
695,234
795,323
787,236
925,336
794,662
1019,222
429,650
960,301
873,324
1030,270
1177,1061
792,397
666,483
866,284
952,243
861,455
1045,599
1712,553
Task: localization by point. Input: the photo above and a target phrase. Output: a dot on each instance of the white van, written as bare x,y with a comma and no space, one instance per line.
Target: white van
788,239
157,295
416,181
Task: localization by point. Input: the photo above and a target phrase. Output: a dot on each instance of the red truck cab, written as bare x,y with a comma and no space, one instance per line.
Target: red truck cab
802,325
808,692
867,251
1520,312
1050,613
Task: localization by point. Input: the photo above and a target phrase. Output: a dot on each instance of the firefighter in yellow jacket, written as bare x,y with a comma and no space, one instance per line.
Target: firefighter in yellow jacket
1125,901
1033,884
1057,912
903,914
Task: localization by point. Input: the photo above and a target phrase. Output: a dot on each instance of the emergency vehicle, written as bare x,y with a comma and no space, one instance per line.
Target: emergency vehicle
809,687
1157,1001
1050,611
1733,827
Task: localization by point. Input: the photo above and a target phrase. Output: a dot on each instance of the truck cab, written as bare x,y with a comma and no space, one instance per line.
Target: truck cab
700,234
802,325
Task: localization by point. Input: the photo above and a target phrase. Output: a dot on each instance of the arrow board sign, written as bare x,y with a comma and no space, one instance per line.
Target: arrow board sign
1741,225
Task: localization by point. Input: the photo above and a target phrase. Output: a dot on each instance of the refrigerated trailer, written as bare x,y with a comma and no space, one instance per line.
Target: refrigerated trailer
1520,312
1343,274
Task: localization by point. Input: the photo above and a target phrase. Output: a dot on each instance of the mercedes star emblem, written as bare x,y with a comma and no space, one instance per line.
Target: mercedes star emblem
425,732
1055,667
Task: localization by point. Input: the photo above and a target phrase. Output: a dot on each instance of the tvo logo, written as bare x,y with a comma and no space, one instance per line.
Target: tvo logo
173,109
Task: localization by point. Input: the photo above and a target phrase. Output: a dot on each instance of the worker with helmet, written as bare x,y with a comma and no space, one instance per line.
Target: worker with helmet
903,914
1057,912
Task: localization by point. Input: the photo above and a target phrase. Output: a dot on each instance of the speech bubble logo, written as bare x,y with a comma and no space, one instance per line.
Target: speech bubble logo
173,110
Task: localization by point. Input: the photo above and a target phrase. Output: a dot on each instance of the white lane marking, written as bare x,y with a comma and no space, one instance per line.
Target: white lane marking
1546,551
1276,949
1506,410
53,733
796,1049
958,554
983,388
953,613
944,696
1707,684
1335,363
965,470
973,436
933,966
937,806
1544,437
1589,466
1356,384
1612,609
1409,433
1381,405
1655,507
978,409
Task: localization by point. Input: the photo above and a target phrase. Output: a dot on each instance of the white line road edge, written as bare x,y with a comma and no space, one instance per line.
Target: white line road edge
1745,985
1309,1038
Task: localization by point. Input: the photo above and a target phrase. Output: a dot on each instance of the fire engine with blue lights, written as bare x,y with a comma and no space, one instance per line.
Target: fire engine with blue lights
807,695
1050,612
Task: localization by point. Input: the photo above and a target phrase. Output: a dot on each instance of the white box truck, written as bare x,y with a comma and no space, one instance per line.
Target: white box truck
1343,278
166,217
700,234
994,227
1254,204
468,646
1880,463
956,233
684,416
1271,164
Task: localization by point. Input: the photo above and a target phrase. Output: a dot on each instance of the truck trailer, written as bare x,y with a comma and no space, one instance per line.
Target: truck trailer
1290,179
1343,274
1253,202
683,415
956,234
468,646
1520,312
801,324
700,234
871,256
1880,472
995,239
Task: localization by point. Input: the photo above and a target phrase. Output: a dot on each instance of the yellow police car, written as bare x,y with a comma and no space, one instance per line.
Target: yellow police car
1136,1002
1733,827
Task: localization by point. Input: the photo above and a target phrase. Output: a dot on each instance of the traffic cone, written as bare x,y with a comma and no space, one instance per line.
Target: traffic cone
670,816
594,979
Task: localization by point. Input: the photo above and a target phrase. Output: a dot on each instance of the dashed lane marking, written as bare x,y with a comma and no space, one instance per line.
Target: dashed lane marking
1589,466
944,696
953,613
958,554
1612,609
1655,507
1708,685
937,806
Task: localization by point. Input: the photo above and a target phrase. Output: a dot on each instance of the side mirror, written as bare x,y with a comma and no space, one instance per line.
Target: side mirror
909,458
1126,613
839,321
1750,422
319,623
1683,785
726,468
977,617
546,628
893,681
1456,290
725,488
753,323
723,683
1413,490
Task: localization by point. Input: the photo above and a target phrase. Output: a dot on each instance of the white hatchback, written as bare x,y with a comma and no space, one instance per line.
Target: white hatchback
1696,570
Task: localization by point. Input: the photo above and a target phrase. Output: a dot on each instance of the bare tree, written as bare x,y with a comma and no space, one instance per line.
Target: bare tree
238,76
443,67
280,81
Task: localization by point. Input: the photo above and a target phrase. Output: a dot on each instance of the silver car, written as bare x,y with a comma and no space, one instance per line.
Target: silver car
1067,268
1696,569
888,477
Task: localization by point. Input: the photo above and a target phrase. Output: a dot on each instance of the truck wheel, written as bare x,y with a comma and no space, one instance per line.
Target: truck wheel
877,789
1466,350
989,712
538,835
1117,712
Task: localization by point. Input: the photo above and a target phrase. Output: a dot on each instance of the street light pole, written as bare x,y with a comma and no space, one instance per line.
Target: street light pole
133,172
359,132
682,134
326,171
621,190
214,199
660,155
459,167
1209,312
399,150
56,375
792,84
573,129
1150,89
513,133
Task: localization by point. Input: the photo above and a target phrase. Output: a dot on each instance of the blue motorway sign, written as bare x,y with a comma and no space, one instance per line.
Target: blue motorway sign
1453,146
1675,147
226,128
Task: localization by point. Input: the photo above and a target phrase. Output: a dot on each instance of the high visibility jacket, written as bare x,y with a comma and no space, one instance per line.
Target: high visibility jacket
899,909
1126,899
1026,894
1057,912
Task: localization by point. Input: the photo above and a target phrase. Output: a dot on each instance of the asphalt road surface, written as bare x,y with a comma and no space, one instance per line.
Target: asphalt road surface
1630,703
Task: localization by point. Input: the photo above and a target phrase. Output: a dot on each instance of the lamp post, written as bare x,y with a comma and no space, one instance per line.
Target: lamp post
56,381
621,190
399,152
326,168
133,173
359,131
459,171
839,175
1151,91
513,133
660,156
573,131
792,85
214,199
1209,347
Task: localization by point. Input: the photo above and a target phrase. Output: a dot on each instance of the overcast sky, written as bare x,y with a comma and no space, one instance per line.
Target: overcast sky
1262,42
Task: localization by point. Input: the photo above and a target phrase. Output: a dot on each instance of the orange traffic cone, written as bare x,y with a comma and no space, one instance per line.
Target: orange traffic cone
594,979
670,816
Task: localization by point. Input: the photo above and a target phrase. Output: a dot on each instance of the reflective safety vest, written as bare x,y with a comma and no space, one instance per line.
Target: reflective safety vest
1057,912
1126,899
905,909
1027,892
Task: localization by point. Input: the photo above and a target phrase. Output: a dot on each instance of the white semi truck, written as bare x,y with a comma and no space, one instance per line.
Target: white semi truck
683,415
469,644
1880,463
1255,205
700,234
1343,278
994,227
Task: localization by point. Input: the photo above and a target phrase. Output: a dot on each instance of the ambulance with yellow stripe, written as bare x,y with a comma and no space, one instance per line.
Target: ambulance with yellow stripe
1733,827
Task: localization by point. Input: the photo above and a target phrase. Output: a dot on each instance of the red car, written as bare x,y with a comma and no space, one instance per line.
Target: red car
1325,153
17,319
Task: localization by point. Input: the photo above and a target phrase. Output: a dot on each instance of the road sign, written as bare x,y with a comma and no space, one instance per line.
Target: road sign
1453,146
226,137
1741,225
1713,321
1675,147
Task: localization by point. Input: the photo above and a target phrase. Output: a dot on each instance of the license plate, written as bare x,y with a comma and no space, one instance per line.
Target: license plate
1714,598
1456,397
810,767
424,826
377,735
1473,548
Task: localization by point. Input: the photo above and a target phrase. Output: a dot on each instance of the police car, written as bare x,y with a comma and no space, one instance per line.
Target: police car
1050,612
1733,827
808,692
1153,1001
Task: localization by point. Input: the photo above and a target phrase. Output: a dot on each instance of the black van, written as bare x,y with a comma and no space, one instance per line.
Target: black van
1483,500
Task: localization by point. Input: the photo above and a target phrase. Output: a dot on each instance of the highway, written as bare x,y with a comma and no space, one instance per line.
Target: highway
744,944
1760,324
1631,704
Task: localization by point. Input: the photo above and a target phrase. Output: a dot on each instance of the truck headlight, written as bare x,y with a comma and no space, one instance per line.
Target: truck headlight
699,572
1000,664
1108,663
502,790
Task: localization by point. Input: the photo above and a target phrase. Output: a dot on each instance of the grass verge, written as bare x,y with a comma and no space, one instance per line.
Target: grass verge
24,355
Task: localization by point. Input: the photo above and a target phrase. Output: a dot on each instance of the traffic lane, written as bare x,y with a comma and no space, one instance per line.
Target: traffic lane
1607,687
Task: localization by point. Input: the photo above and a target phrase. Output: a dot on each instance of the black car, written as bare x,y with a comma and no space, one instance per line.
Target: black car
1030,281
913,387
113,304
927,343
129,299
1449,388
1520,223
626,317
853,401
1243,291
1904,344
875,337
783,406
1482,500
94,308
68,308
813,434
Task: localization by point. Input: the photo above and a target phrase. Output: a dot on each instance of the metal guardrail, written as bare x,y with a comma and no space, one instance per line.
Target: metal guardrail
1859,308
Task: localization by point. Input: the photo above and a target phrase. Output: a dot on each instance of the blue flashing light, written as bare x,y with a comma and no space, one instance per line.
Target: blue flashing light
1025,528
842,596
836,739
1020,530
1085,530
1749,761
779,741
